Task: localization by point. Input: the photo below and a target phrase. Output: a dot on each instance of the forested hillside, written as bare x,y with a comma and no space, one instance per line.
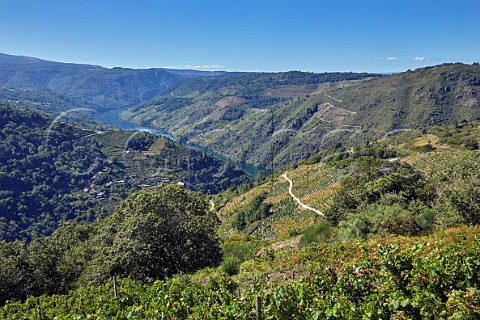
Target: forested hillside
444,94
51,172
310,112
42,174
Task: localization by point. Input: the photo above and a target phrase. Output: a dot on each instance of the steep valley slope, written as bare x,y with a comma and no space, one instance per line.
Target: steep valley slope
287,117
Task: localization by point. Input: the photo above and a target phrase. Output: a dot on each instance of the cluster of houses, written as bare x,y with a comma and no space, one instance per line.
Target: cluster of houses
99,194
93,188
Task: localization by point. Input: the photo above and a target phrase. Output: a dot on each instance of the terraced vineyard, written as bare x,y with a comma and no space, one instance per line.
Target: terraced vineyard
286,218
278,193
287,225
451,161
242,200
314,184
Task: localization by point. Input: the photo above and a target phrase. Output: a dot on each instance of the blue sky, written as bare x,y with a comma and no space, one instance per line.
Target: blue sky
245,35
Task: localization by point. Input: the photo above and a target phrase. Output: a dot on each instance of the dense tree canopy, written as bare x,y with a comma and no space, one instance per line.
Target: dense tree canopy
42,164
155,233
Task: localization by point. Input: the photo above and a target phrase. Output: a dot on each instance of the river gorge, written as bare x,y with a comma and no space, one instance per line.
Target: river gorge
113,117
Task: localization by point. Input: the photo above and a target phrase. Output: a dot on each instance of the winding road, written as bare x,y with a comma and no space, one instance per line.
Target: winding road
298,200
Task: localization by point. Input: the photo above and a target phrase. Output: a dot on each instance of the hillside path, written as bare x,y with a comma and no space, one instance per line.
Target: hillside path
334,98
298,200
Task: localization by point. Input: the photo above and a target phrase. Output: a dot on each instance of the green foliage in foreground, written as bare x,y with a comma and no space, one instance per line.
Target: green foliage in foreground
421,280
153,234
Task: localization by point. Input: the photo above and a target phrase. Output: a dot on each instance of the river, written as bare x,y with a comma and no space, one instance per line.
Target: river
112,117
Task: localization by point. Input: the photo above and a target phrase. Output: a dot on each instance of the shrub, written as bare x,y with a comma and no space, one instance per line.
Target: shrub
425,219
230,266
471,144
377,220
462,196
242,250
318,233
428,147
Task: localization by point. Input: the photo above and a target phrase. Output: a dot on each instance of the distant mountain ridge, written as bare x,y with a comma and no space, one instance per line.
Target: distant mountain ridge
310,113
231,113
97,87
